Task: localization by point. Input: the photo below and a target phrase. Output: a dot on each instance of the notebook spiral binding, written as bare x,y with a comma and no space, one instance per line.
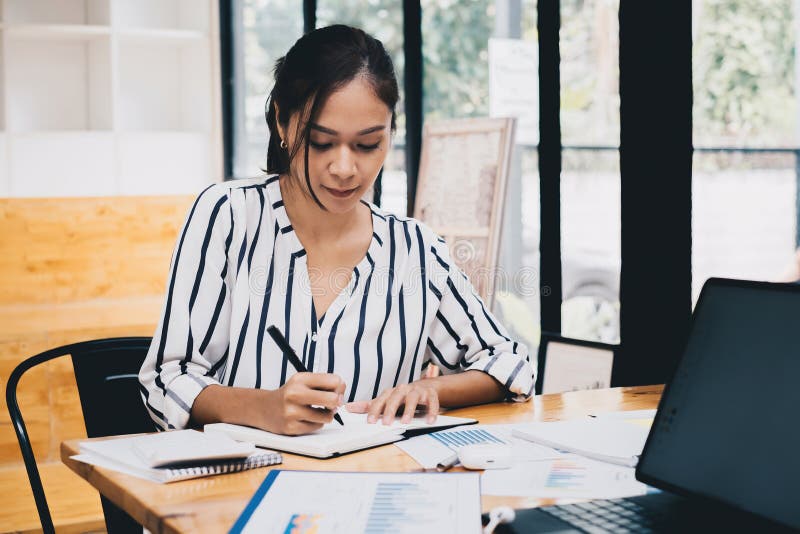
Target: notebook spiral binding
227,466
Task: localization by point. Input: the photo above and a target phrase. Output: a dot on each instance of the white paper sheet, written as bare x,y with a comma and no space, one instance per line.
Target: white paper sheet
99,461
642,418
430,449
332,503
628,414
570,476
610,440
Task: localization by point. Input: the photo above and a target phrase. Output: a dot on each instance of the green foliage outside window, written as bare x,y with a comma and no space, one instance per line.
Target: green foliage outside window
743,72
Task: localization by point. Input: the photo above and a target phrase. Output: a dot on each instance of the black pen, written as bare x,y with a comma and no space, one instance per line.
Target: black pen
290,355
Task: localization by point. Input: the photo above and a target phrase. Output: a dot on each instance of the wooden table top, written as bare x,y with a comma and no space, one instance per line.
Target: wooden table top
212,504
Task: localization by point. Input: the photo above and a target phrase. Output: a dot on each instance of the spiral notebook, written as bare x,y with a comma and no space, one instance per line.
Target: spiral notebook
175,455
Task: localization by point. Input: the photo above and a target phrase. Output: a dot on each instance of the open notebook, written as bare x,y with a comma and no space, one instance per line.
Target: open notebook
334,439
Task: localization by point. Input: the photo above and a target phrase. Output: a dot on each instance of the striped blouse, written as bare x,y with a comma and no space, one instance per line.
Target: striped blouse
238,267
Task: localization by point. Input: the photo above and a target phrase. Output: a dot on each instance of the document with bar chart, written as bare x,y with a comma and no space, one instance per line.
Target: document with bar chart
430,449
306,502
570,476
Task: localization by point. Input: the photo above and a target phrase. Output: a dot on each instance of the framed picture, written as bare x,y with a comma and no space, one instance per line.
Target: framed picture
461,191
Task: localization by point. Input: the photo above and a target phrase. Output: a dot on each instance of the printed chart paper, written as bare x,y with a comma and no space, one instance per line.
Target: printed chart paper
430,449
331,503
567,477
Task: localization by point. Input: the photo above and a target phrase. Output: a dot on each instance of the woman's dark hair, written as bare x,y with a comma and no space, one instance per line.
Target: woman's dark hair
320,63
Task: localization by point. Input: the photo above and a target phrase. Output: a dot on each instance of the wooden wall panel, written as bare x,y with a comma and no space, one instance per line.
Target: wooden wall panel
66,417
25,322
57,250
31,395
74,504
71,270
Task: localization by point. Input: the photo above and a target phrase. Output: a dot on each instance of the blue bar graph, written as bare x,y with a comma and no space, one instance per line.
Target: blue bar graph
458,438
396,505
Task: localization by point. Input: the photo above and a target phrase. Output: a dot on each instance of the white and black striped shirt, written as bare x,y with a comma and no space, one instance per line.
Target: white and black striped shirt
238,267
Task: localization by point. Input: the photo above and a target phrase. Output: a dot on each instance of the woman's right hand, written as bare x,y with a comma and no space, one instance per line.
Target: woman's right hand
305,402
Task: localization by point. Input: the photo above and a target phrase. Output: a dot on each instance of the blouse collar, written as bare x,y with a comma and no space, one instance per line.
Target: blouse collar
379,225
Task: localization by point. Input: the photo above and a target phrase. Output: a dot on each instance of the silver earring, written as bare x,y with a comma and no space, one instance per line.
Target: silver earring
283,143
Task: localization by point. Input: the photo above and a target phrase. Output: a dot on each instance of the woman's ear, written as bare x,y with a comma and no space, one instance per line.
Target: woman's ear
281,131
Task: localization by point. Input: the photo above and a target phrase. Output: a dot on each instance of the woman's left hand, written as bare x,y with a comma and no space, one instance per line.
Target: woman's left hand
409,396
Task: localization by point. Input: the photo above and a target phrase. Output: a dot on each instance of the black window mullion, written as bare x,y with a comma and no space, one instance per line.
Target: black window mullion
309,15
228,78
412,49
655,59
548,24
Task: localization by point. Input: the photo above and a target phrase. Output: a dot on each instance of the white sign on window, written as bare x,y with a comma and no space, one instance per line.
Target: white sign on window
514,85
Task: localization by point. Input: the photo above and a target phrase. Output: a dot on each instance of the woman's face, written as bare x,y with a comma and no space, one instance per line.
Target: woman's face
348,144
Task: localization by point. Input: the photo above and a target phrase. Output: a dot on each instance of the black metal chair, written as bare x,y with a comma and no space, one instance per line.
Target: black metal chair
106,373
562,353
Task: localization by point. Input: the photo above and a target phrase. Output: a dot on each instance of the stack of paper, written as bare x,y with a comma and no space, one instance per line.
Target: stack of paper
175,455
590,458
567,477
606,439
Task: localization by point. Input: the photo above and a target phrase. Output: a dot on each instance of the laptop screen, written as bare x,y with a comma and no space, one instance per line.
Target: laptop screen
728,426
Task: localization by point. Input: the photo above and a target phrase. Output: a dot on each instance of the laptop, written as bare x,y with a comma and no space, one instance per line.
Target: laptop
724,448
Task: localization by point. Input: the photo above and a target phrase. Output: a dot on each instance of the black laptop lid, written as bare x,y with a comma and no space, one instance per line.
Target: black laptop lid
728,426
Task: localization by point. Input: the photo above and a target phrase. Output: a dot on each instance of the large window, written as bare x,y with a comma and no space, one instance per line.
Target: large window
455,41
745,169
264,31
590,179
455,46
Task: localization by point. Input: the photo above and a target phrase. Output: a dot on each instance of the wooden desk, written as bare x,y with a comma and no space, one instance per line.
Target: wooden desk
212,504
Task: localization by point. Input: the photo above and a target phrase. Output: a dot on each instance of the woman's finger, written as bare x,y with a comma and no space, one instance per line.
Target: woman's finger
376,406
313,415
298,428
322,399
322,381
413,398
432,401
357,406
393,404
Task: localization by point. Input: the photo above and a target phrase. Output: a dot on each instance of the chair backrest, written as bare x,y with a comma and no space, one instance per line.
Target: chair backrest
566,364
106,373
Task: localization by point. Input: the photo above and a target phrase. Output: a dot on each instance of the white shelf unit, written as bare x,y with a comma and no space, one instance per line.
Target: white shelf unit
161,15
47,12
57,83
163,85
107,97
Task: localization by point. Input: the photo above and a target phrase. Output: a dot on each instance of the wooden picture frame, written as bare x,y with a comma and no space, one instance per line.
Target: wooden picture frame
461,191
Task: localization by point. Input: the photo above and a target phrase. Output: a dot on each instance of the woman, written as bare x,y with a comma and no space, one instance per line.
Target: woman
365,298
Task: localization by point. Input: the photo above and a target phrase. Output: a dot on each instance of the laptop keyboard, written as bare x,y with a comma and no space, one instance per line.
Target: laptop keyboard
616,515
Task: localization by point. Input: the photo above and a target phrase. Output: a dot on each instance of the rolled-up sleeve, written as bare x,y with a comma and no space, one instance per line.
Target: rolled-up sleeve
190,344
465,335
